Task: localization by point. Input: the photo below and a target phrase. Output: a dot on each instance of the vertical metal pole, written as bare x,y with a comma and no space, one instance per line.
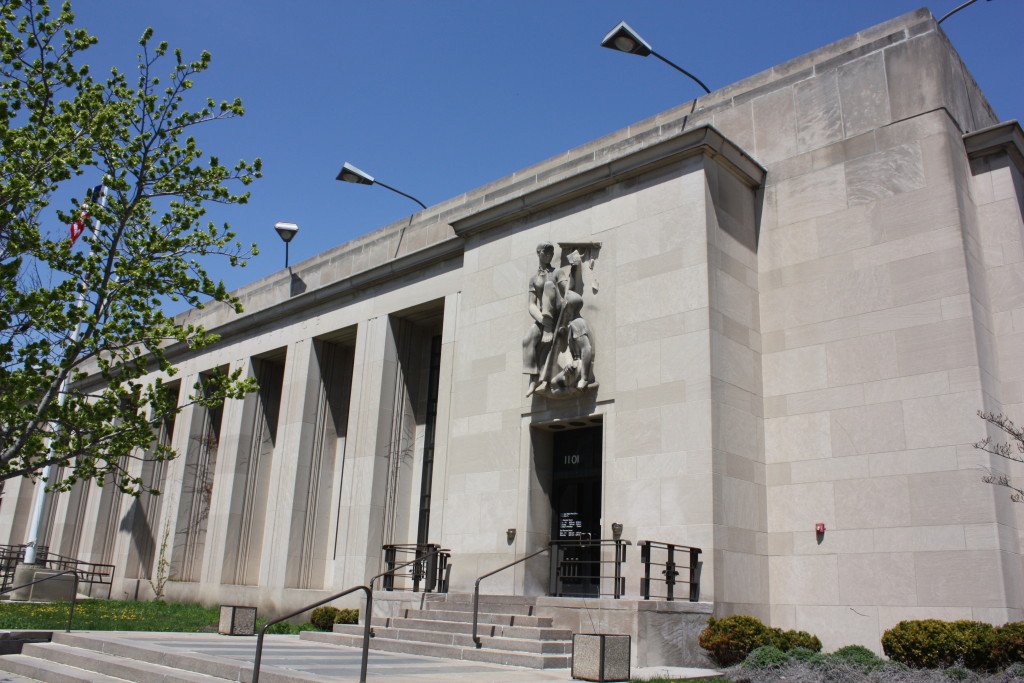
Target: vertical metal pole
476,612
74,596
645,557
389,565
37,506
556,561
694,574
670,571
618,569
366,634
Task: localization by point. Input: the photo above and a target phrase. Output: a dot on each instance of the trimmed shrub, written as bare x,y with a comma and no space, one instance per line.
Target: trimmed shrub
729,640
976,642
325,617
347,616
922,644
765,657
788,640
935,644
1010,643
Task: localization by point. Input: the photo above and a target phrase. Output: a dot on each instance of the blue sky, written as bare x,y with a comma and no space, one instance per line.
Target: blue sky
438,97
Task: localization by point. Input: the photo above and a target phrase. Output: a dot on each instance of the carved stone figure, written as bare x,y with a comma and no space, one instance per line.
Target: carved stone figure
558,348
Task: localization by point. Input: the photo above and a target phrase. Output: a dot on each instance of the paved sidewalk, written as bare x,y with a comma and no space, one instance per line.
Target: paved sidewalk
339,663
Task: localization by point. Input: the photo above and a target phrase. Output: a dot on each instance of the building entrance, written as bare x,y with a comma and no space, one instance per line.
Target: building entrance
576,510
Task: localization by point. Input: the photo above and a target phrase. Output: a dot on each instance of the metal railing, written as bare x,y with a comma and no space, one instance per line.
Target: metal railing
671,566
582,564
88,572
366,630
74,592
428,576
367,618
476,590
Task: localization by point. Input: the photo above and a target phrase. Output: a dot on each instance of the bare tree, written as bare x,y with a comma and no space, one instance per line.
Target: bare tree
1013,449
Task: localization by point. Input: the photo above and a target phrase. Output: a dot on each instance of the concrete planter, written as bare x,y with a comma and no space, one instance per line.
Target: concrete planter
600,657
236,620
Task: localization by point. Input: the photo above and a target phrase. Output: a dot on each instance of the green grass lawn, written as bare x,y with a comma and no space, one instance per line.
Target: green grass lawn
121,615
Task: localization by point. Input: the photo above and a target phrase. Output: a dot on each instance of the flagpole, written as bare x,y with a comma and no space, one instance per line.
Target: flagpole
39,503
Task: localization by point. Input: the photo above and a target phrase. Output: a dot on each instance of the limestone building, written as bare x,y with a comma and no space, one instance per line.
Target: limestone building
777,306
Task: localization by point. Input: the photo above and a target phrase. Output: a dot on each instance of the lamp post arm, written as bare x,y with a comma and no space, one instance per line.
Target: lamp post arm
402,193
682,71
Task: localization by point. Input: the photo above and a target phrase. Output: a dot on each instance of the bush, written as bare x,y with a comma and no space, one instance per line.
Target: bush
788,640
324,617
765,657
347,616
1010,643
731,639
859,656
976,642
923,644
283,628
935,644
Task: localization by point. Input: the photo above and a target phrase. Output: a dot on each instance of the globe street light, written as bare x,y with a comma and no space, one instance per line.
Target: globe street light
351,174
286,231
624,39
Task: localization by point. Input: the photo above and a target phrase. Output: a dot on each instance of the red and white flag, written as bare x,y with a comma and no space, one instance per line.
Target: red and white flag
78,227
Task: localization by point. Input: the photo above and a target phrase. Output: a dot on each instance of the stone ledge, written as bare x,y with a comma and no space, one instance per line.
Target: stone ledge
1002,138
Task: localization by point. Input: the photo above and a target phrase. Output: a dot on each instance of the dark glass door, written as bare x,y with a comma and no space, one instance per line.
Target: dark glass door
576,510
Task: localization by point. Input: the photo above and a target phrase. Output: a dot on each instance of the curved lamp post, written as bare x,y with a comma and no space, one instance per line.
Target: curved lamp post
624,39
351,174
287,232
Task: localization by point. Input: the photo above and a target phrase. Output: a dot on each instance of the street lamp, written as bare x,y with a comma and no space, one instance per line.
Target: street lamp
624,39
351,174
286,231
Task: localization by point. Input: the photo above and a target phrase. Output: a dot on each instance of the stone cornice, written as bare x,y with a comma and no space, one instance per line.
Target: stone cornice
435,253
1002,138
704,140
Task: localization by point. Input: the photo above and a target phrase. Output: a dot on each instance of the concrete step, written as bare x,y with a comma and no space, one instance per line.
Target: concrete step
465,604
533,632
492,656
112,666
554,647
434,614
218,668
50,672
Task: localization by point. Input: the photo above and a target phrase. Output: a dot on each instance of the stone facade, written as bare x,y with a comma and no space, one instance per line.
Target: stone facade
800,287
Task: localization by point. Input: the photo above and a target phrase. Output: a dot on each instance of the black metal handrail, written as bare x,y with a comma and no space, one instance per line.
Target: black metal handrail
88,572
562,568
367,617
433,574
671,568
366,630
74,593
391,571
476,589
13,555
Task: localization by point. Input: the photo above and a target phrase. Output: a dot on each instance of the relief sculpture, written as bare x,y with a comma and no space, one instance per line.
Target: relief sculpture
558,349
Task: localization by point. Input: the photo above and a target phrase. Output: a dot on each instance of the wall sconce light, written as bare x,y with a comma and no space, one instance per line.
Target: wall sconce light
616,530
511,536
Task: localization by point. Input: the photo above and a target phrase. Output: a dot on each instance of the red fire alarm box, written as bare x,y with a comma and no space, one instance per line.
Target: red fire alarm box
819,528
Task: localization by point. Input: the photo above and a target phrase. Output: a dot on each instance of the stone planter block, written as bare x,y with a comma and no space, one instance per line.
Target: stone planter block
600,657
236,620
